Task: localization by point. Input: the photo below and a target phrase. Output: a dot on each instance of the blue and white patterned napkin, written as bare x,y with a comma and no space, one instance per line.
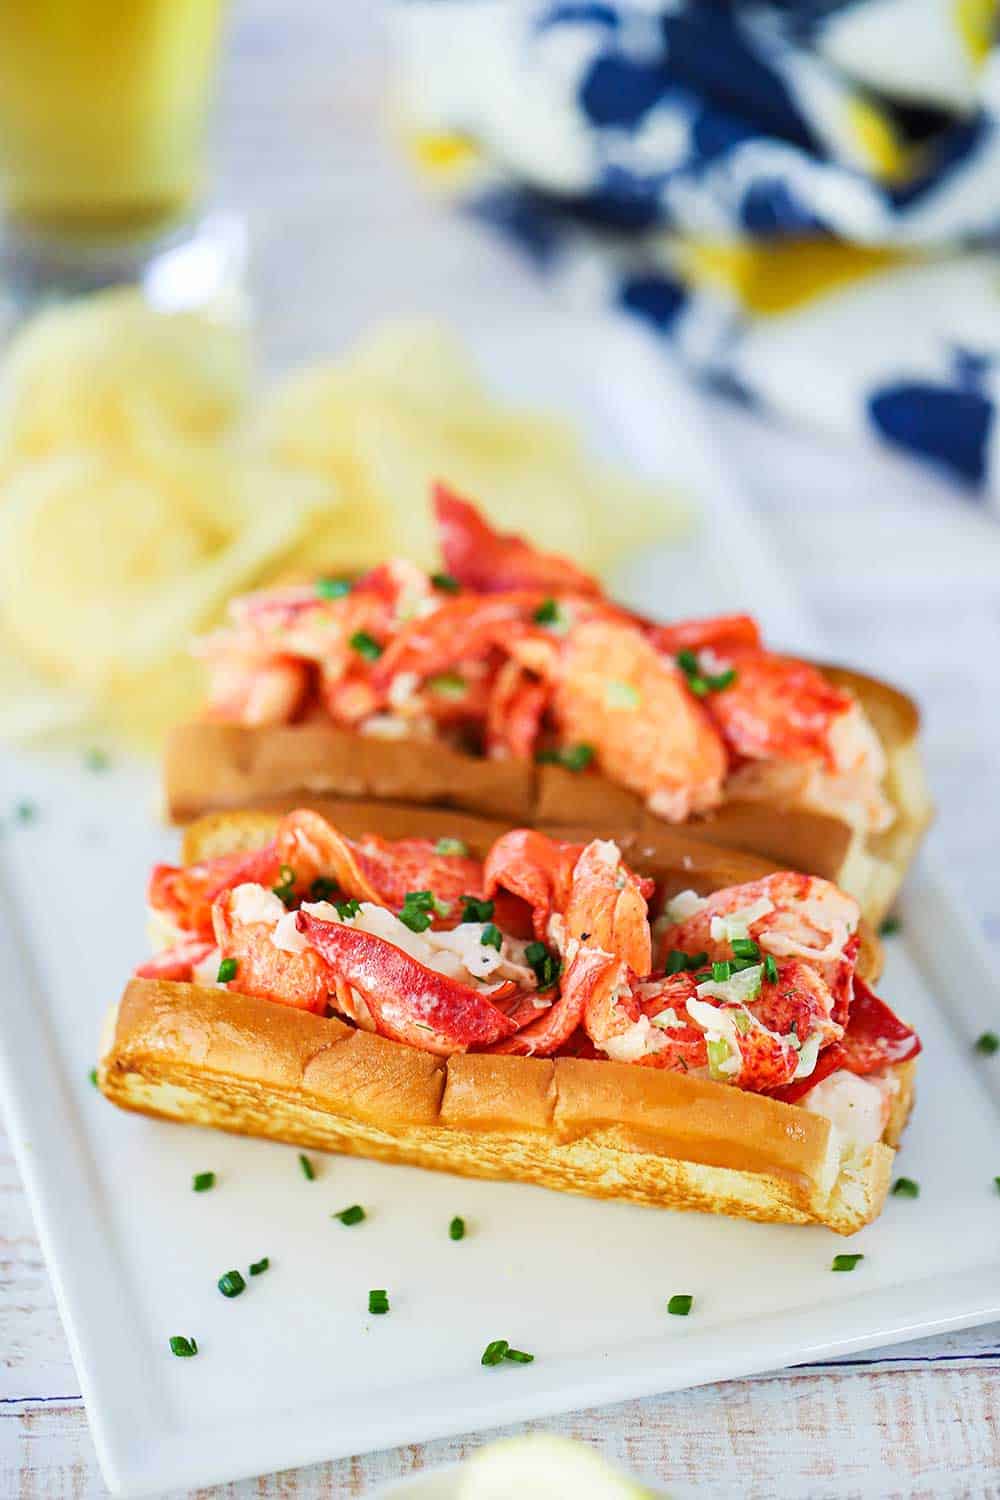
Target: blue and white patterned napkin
803,198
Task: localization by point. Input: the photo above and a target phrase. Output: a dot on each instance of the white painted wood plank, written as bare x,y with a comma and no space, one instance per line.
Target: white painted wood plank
818,1437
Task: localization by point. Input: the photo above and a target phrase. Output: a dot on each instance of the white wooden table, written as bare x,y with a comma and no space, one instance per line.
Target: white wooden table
885,558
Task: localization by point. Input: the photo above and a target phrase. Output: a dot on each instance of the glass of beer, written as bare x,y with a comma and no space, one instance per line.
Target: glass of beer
103,111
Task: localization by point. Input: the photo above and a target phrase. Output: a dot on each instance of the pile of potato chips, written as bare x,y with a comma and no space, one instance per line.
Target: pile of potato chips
141,486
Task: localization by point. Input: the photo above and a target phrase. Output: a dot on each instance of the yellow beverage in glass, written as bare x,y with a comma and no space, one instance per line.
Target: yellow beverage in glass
103,107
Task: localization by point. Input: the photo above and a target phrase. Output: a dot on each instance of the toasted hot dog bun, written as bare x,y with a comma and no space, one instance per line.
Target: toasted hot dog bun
612,1130
221,766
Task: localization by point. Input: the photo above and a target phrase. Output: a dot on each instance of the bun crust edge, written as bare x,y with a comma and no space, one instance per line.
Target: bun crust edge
218,767
608,1130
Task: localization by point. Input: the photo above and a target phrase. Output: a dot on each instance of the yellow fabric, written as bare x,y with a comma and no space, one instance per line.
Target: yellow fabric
441,155
976,24
880,148
770,280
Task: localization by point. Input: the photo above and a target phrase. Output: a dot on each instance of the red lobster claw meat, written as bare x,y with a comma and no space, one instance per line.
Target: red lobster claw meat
537,869
373,869
492,561
407,1001
184,894
177,962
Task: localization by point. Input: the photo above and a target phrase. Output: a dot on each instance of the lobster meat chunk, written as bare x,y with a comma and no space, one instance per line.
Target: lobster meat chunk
491,561
406,1000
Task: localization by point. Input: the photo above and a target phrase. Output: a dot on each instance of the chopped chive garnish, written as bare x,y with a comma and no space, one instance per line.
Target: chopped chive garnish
476,910
96,759
445,583
184,1348
546,965
845,1262
333,588
456,1229
352,1215
495,1352
257,1267
448,685
417,911
202,1181
680,1304
570,757
745,948
308,1170
996,1183
547,613
722,971
771,969
518,1357
25,812
890,927
346,909
988,1043
227,970
231,1284
322,889
492,937
92,1075
365,645
677,961
702,683
905,1187
285,888
451,846
378,1301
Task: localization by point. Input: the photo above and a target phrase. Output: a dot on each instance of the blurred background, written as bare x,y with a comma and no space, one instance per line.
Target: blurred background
348,219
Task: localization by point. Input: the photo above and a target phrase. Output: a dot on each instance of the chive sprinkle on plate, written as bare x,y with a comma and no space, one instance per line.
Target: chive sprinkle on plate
680,1304
92,1075
352,1215
183,1347
845,1262
231,1284
988,1043
257,1267
202,1181
456,1229
499,1349
308,1170
378,1301
905,1187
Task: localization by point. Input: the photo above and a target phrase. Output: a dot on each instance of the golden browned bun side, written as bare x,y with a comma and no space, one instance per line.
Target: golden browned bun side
604,1129
224,766
668,854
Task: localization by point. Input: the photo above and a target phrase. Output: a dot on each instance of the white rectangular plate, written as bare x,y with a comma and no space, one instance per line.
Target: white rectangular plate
295,1370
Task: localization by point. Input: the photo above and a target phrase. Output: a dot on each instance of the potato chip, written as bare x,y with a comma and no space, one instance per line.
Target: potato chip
97,371
102,575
